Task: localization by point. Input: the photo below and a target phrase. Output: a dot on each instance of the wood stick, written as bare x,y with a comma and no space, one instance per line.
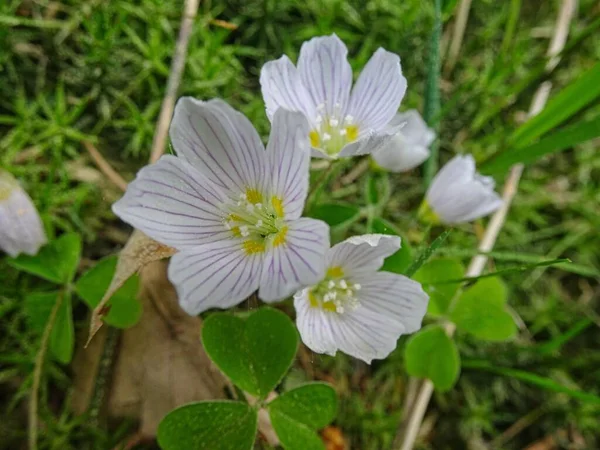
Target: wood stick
166,110
105,167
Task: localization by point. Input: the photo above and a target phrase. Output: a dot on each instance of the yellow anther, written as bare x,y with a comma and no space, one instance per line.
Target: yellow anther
253,196
314,138
351,133
277,203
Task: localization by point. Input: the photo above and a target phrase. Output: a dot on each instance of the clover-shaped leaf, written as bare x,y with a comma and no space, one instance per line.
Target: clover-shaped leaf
255,353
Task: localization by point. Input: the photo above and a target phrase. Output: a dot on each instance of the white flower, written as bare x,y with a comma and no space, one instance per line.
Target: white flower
355,308
21,229
459,194
409,147
231,208
342,123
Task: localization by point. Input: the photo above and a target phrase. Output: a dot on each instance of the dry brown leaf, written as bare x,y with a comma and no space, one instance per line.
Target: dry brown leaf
161,363
334,438
139,251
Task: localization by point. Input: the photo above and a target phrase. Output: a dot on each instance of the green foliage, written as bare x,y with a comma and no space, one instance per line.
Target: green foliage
336,215
440,295
216,425
38,307
430,353
563,105
56,262
296,415
481,311
125,310
399,261
427,253
256,352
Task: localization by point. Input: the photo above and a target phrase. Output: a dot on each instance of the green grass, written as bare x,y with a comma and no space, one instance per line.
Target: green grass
93,70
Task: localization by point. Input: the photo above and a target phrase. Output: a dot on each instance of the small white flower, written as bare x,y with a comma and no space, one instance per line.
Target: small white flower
21,229
373,309
409,147
459,194
198,203
344,121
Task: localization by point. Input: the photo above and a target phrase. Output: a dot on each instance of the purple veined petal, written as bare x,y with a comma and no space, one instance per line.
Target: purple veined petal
21,229
326,73
219,142
314,325
399,155
282,88
393,296
295,259
459,194
214,275
289,157
362,254
414,129
174,204
378,91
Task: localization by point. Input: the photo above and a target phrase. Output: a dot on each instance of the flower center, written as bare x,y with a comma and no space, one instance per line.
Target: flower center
257,222
334,293
332,131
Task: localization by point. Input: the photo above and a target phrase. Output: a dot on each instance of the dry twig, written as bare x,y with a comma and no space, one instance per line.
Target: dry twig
105,167
166,110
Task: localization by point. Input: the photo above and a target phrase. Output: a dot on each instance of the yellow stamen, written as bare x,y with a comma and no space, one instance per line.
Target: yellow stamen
314,138
253,196
277,203
327,306
252,247
280,237
335,272
236,231
351,133
234,217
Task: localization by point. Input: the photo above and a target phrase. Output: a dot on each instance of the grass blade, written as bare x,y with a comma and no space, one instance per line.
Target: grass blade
427,253
531,378
553,143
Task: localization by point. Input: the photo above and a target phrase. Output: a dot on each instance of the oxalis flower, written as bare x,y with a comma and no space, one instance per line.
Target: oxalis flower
355,308
459,194
231,208
409,147
342,123
21,229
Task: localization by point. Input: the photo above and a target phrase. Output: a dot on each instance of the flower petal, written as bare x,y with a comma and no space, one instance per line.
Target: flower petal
399,156
390,305
219,142
214,275
326,73
288,152
297,261
414,129
378,91
174,204
282,88
393,296
360,254
21,229
459,194
369,142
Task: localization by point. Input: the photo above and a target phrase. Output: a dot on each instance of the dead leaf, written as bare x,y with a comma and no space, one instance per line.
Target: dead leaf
333,438
161,363
139,251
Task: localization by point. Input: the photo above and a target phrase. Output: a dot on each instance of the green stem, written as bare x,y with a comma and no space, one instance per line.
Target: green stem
431,110
37,373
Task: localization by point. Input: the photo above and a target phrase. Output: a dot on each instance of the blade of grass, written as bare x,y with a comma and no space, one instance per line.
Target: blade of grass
531,378
427,253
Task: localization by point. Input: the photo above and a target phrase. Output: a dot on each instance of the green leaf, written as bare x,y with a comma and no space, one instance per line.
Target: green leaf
254,353
481,311
584,90
312,404
377,188
440,295
399,261
55,262
427,253
125,310
215,425
296,415
430,353
554,142
537,380
38,306
336,215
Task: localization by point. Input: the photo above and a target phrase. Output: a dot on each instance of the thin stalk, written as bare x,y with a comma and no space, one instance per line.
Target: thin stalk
431,110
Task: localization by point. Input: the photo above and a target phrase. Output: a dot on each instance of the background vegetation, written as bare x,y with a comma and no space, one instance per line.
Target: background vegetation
74,70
